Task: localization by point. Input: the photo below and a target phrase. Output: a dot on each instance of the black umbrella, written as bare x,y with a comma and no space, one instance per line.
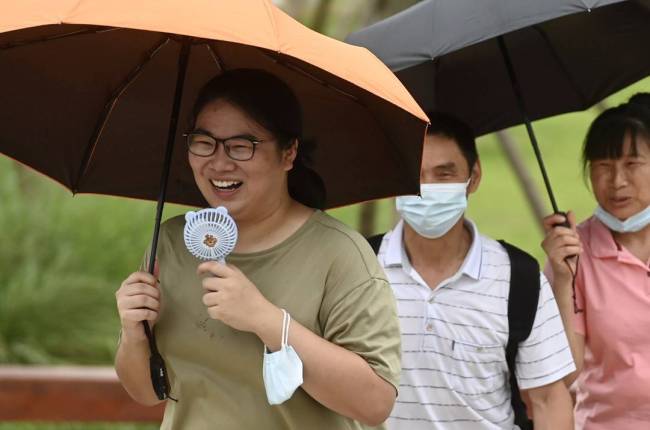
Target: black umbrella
466,57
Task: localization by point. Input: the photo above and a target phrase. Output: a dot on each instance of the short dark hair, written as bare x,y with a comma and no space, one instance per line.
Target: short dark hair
606,134
271,103
641,99
451,127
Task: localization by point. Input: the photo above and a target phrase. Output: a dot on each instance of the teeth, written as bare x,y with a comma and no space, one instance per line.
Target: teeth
224,184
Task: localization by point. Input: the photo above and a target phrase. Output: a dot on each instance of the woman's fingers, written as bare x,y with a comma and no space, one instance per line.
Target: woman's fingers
552,220
211,299
139,302
138,315
571,217
138,299
140,277
568,251
555,241
140,289
566,240
213,268
555,221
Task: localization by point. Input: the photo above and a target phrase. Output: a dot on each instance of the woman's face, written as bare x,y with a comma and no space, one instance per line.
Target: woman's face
622,186
248,189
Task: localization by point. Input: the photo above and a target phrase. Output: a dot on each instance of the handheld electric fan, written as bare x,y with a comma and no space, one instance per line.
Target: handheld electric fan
210,234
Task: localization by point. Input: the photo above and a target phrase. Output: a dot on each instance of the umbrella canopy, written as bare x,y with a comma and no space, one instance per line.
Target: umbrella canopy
567,54
87,89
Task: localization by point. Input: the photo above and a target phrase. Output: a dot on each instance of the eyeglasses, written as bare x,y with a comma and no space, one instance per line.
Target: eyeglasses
238,148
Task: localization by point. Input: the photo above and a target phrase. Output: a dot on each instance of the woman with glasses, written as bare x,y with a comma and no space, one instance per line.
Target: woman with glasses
604,293
219,327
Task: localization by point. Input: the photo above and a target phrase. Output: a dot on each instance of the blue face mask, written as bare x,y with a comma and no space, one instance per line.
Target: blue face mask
282,370
436,210
634,223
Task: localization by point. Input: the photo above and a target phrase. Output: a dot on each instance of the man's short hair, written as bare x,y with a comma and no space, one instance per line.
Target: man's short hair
451,127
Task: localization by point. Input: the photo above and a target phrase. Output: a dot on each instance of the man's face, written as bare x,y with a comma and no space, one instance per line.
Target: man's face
443,162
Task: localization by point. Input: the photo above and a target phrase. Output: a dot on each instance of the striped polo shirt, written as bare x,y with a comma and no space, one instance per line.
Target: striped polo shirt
454,371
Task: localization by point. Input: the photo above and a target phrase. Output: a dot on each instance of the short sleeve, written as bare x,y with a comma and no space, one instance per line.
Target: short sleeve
365,321
544,357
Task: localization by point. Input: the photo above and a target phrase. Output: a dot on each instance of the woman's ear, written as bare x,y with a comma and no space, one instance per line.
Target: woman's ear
289,154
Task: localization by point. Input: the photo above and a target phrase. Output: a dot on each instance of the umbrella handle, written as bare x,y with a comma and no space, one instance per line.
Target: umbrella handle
566,220
567,261
157,366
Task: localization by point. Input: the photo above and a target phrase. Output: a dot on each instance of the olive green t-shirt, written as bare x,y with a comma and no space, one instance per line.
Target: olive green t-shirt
325,275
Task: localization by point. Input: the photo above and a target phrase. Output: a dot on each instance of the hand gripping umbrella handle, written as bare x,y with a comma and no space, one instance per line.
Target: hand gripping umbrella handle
566,220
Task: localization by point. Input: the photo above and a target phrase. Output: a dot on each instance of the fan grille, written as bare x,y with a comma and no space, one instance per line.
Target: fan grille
210,234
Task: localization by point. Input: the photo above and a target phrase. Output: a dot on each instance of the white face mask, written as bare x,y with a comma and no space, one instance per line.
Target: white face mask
282,370
634,223
436,210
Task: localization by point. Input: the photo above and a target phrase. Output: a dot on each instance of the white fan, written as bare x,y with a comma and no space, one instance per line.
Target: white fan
210,234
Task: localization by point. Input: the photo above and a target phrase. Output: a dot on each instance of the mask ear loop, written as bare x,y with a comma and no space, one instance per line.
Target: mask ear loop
284,339
286,320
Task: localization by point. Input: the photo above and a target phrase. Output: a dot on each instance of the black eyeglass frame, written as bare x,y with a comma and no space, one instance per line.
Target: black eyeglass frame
252,139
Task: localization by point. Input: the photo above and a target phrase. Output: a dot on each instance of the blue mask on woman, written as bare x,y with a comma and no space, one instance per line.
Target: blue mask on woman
436,210
634,223
282,370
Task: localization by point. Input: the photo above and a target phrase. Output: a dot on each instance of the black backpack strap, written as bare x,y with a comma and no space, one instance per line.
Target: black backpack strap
375,242
522,307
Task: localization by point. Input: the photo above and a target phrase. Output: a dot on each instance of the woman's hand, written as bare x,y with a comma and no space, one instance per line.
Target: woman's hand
562,245
233,299
138,299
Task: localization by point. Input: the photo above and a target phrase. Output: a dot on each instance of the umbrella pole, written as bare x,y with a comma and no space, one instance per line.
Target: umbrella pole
529,127
156,363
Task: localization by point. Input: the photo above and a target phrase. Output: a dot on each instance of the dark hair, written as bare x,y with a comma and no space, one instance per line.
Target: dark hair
271,103
606,135
640,99
451,127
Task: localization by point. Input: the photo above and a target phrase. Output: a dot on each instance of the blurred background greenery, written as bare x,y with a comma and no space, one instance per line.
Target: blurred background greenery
62,258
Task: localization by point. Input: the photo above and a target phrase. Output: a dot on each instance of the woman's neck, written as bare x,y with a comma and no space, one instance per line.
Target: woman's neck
272,226
638,243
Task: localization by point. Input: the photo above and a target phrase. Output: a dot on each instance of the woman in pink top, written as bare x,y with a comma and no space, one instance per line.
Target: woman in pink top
606,306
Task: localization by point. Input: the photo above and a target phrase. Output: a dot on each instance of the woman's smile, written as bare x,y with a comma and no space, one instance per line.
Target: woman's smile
225,188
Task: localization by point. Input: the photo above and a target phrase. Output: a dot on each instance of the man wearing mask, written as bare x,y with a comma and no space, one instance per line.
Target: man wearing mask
452,288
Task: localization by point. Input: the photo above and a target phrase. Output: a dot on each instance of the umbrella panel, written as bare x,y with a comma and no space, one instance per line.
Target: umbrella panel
566,57
121,152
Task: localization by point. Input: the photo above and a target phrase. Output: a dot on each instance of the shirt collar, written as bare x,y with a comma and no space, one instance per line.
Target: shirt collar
472,264
603,245
396,253
393,257
601,241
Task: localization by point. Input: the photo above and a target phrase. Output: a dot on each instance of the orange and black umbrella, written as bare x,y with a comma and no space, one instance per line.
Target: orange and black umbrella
96,94
88,89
